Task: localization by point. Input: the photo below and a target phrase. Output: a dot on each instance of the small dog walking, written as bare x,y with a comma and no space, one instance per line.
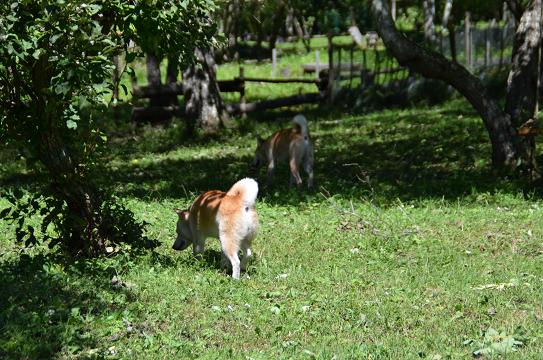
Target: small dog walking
229,216
292,144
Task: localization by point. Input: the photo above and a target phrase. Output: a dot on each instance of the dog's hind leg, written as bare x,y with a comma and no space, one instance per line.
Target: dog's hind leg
271,167
308,168
294,172
247,253
230,250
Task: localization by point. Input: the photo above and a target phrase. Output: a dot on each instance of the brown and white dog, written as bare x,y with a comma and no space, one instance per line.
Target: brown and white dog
229,216
292,144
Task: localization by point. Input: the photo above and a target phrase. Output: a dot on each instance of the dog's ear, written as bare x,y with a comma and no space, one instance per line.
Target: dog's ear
259,140
183,214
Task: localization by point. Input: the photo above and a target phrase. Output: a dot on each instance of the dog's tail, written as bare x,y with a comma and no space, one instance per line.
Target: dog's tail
246,188
301,123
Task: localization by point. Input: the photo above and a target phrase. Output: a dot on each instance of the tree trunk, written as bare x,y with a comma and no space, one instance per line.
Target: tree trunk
447,23
204,107
522,84
153,70
429,7
452,40
430,64
81,225
278,20
154,79
447,13
172,72
307,31
516,8
289,21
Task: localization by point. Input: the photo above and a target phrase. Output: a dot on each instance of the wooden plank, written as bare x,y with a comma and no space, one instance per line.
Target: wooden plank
275,103
310,68
234,85
266,80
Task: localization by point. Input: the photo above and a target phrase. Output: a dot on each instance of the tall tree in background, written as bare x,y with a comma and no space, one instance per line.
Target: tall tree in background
204,107
508,148
55,61
429,9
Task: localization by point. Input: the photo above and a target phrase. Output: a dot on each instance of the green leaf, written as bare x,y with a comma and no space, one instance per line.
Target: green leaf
71,124
62,88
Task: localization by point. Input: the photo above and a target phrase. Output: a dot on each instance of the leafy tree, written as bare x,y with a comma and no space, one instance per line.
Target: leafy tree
55,67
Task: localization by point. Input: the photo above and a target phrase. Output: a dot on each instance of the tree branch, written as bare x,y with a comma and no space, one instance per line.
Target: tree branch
516,7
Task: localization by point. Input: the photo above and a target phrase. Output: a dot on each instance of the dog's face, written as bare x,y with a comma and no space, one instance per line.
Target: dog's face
184,236
260,153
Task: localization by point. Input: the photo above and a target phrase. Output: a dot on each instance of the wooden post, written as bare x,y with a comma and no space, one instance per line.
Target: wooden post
116,80
317,64
352,66
274,62
376,64
488,44
242,91
503,32
467,39
330,67
339,62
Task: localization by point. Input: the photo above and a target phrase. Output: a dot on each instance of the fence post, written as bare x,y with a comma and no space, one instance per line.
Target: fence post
376,64
116,80
274,62
317,64
241,79
467,39
488,42
330,68
339,61
503,31
351,70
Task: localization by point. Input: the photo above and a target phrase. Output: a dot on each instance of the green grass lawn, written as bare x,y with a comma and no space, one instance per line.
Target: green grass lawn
410,248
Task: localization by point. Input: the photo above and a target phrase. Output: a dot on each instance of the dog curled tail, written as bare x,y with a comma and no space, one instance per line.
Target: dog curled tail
246,188
301,123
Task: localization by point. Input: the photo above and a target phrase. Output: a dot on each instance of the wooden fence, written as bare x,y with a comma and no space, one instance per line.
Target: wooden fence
238,85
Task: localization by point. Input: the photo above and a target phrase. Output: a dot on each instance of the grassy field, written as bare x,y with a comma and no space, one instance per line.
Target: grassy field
409,248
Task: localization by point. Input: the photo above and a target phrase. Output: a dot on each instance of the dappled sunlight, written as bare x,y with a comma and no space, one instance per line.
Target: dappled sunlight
383,156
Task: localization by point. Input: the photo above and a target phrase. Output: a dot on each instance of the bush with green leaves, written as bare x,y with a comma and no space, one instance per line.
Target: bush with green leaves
55,71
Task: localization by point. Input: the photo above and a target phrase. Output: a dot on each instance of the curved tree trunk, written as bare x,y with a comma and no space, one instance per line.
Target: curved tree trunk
204,107
502,132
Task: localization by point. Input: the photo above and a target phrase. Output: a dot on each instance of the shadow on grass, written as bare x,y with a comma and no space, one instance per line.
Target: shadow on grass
44,313
407,157
429,153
